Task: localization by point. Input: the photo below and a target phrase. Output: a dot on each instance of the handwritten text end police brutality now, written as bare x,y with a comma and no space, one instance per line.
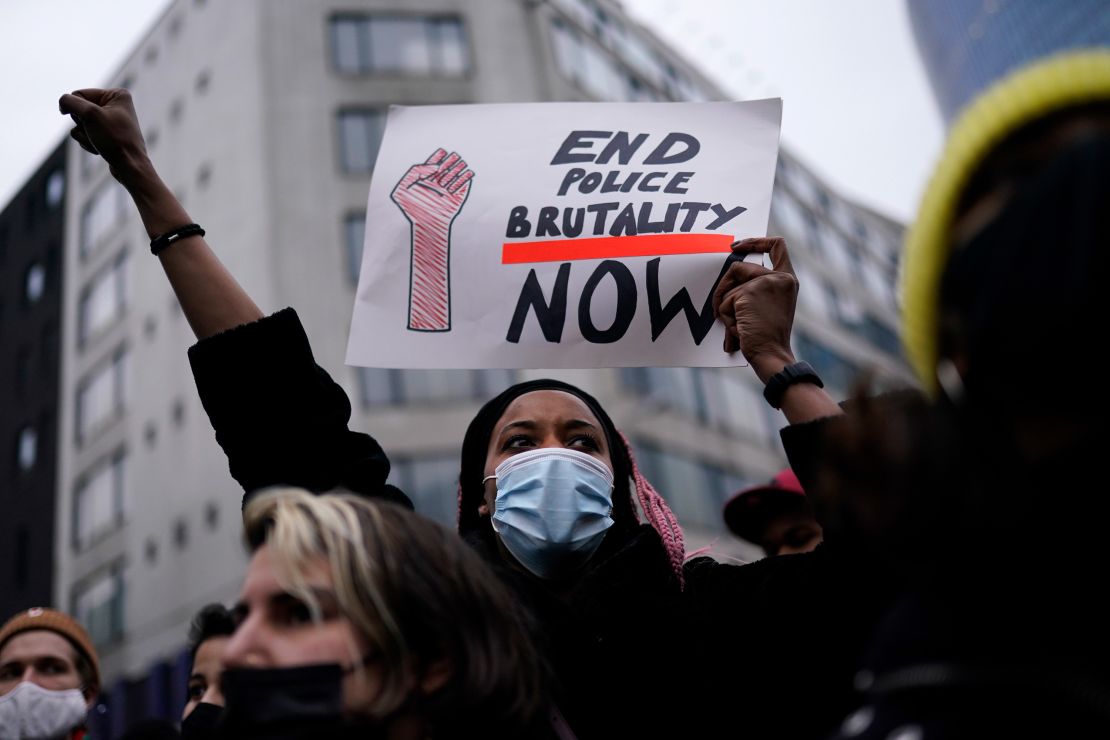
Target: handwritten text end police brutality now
613,229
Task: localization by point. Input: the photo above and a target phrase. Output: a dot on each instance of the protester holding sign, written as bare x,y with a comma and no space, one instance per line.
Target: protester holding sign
642,643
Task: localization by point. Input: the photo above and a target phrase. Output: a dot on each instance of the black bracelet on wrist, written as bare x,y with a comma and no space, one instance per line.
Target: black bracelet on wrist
799,372
158,243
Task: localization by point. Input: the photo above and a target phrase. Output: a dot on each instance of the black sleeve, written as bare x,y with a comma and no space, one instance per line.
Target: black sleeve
803,445
781,639
279,416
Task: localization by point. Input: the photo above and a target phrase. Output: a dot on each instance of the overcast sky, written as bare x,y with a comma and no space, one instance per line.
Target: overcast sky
856,105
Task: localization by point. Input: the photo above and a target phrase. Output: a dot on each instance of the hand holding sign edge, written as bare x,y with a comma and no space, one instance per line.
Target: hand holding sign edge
756,305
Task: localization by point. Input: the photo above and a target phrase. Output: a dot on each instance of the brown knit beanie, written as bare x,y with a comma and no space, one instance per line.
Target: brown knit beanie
51,620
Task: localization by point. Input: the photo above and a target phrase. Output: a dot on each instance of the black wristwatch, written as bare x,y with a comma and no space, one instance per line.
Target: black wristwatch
799,372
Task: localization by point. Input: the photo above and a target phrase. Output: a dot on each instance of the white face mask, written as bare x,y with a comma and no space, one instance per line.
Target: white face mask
30,712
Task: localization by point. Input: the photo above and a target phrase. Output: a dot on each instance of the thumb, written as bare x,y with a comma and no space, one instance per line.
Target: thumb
74,105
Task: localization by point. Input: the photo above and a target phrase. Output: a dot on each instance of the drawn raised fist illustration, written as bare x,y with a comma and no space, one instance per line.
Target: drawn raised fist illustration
431,195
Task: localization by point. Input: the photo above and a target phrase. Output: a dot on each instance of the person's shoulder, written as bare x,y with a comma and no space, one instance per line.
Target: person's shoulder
706,577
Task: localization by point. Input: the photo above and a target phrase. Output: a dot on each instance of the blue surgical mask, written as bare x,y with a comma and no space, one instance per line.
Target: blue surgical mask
553,508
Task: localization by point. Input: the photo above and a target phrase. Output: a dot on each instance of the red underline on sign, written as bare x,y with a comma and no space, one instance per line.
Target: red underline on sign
604,247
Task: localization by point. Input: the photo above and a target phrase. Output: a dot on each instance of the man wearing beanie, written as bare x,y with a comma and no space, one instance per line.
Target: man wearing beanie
49,676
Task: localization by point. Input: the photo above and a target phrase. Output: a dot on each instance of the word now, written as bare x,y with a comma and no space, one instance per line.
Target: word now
551,314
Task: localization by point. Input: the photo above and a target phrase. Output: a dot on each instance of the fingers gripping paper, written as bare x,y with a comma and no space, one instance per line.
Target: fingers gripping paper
558,234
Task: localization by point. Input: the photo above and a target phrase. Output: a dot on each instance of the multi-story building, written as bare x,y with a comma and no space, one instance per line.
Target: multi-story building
265,117
30,313
966,46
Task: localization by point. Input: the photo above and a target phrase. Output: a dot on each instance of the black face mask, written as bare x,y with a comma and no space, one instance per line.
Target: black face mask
257,697
202,722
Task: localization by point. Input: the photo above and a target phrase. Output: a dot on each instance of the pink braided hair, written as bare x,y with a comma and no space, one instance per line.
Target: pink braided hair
659,515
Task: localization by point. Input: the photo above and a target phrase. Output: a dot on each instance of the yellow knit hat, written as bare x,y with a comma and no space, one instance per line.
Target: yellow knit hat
52,620
1055,83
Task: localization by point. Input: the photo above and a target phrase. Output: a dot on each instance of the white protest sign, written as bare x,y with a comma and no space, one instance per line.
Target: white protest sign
558,235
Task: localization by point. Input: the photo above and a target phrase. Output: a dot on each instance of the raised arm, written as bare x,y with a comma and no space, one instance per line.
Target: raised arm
106,124
756,306
278,416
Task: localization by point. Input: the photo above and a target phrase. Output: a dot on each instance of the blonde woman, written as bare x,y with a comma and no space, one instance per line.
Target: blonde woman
360,616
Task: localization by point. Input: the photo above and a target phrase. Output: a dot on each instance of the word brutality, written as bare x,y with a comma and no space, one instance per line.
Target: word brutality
618,218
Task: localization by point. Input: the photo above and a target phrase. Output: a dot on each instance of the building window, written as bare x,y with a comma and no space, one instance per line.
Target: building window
733,404
101,396
22,559
789,216
98,605
879,283
376,386
399,45
385,387
814,295
204,78
212,514
436,386
103,300
882,336
22,368
587,65
694,490
837,373
360,135
492,382
150,551
354,233
103,212
55,188
27,448
430,482
99,504
673,388
34,285
181,534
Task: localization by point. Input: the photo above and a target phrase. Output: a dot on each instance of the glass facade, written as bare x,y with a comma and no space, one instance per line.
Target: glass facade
967,46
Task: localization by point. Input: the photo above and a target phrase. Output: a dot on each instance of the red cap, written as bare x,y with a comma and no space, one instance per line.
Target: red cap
749,510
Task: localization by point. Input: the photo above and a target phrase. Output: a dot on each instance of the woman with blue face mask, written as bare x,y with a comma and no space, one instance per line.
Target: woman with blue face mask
642,641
